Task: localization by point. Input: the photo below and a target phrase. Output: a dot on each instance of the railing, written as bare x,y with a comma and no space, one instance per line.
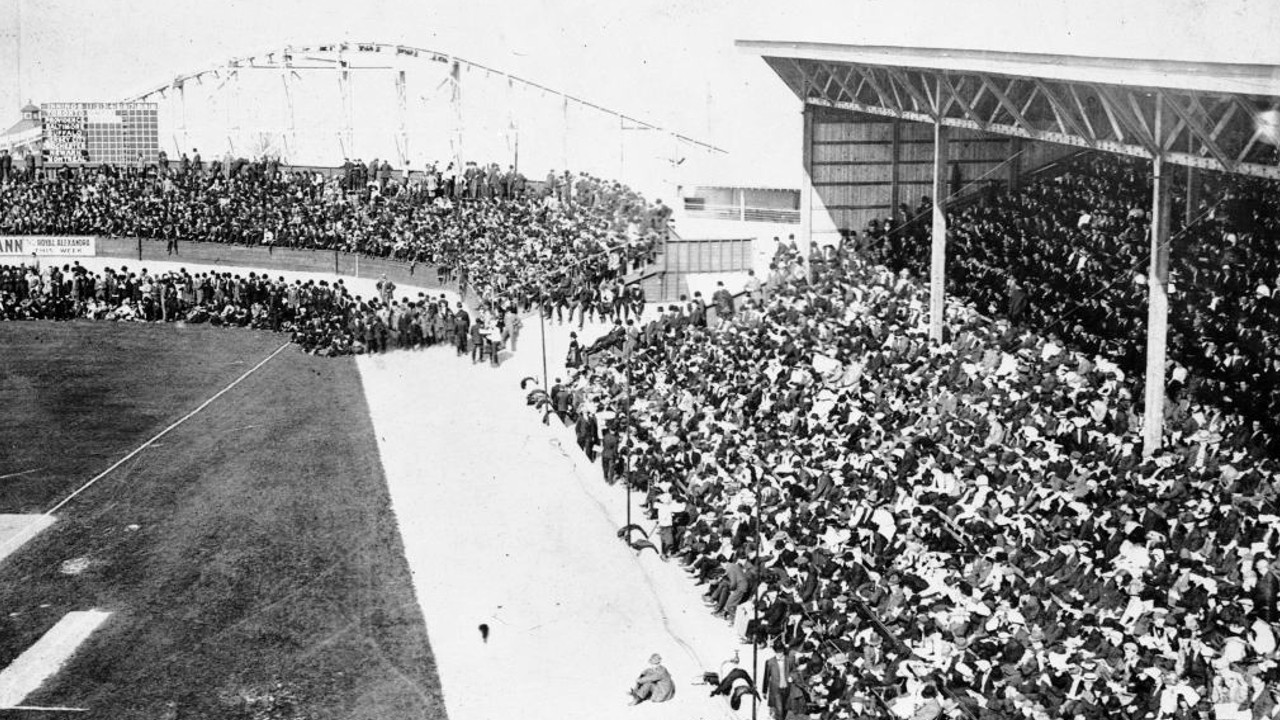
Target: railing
741,213
681,258
706,256
271,258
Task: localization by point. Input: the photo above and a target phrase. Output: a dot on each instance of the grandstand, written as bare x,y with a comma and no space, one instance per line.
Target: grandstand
1217,117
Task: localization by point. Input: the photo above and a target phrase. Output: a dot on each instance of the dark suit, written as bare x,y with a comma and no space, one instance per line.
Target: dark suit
609,455
587,432
461,325
1265,597
776,683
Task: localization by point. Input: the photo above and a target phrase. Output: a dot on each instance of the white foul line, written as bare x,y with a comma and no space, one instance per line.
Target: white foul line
44,659
165,431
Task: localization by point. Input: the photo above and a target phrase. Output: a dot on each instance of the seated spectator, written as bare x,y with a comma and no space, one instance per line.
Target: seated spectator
654,684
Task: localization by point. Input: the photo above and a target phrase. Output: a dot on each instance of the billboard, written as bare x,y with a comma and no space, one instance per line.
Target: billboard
112,133
48,245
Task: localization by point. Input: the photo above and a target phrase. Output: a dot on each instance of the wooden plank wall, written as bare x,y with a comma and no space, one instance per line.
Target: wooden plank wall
862,166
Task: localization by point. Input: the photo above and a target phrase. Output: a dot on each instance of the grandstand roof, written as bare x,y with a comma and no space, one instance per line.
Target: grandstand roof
1216,77
1213,115
22,126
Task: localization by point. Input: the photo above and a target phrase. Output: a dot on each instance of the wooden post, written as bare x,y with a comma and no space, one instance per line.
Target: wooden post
806,184
938,264
1015,164
1157,303
1193,192
542,326
895,189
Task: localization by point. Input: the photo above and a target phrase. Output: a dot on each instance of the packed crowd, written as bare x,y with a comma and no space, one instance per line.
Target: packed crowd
963,530
573,239
323,318
1071,253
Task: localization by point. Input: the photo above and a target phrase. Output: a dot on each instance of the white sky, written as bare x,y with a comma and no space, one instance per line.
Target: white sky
668,61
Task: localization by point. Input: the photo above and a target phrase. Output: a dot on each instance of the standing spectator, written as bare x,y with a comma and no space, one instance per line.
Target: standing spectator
609,453
461,329
384,176
754,288
511,325
1017,301
635,296
723,301
778,671
587,431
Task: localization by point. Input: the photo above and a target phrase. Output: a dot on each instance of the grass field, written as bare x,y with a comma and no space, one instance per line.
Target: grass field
250,558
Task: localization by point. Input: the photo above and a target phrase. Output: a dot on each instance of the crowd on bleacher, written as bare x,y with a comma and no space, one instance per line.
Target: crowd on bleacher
984,502
569,245
1070,255
322,317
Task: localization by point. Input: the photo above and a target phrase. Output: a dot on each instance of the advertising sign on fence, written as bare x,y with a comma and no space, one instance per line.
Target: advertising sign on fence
48,245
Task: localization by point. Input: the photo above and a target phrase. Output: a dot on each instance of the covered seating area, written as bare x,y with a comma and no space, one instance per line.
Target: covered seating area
1221,117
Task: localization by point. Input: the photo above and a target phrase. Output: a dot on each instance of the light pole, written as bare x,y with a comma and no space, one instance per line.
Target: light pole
755,600
625,453
542,327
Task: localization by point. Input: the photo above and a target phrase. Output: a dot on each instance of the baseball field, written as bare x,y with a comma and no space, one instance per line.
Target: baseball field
247,561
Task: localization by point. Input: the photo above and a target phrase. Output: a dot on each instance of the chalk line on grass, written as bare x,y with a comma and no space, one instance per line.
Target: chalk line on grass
12,542
166,431
43,659
17,529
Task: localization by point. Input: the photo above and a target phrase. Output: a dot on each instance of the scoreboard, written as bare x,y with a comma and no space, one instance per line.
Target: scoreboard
112,133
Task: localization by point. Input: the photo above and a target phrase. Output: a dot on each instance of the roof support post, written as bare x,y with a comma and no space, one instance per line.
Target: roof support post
1193,181
564,134
455,107
402,112
182,104
1015,164
1157,308
895,188
938,262
806,183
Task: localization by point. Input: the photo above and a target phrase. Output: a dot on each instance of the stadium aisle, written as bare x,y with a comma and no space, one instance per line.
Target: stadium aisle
506,524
